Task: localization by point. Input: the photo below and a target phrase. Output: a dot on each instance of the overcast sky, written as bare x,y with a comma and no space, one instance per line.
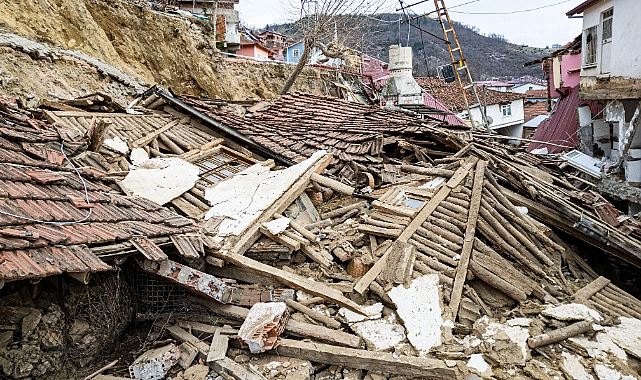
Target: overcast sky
540,28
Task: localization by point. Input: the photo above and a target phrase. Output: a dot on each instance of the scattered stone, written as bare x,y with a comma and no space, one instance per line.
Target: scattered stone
196,372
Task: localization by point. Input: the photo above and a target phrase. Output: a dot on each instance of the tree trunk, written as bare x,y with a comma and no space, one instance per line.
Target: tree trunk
304,59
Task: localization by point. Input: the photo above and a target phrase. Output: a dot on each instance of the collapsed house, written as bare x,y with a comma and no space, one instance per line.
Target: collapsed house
327,238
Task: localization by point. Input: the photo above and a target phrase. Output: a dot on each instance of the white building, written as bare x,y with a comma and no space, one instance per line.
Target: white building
611,73
522,88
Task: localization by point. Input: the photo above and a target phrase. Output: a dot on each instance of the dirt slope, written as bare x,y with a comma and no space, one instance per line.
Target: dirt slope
159,49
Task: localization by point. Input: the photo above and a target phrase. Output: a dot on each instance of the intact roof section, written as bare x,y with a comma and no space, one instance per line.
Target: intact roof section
581,7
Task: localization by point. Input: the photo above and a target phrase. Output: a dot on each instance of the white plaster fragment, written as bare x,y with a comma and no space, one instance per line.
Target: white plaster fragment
277,226
627,335
574,368
479,364
606,373
138,156
375,310
382,333
420,309
517,334
160,179
241,199
117,144
523,322
572,312
433,183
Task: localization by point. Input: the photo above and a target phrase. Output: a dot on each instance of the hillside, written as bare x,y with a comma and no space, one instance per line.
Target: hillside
487,56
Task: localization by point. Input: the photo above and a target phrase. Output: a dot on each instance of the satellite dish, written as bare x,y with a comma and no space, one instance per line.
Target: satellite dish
489,120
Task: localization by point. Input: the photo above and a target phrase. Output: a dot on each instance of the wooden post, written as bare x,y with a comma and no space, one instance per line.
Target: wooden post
559,334
468,242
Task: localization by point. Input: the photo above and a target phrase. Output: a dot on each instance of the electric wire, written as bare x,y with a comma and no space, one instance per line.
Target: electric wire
84,184
512,12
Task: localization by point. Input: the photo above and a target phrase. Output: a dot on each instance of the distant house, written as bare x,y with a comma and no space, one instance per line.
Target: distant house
505,109
273,40
294,52
522,88
253,49
227,19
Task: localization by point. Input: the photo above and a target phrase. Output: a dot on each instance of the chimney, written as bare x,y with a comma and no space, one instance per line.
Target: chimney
402,88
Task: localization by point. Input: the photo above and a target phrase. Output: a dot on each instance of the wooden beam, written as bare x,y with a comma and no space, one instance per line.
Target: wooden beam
468,242
367,360
218,347
420,218
153,135
591,289
293,280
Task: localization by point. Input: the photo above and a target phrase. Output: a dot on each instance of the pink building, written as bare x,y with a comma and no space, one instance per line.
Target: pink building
252,49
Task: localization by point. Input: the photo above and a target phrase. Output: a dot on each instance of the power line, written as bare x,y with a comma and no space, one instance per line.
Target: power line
511,12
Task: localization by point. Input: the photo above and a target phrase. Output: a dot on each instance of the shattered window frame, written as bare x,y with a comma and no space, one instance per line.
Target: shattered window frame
590,42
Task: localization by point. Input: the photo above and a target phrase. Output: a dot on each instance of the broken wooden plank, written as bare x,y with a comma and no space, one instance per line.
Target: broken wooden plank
320,317
379,231
304,330
332,184
367,360
411,228
293,280
468,242
218,347
591,289
153,135
288,242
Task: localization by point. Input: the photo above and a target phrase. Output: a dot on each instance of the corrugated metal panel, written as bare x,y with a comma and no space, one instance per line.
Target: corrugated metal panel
562,126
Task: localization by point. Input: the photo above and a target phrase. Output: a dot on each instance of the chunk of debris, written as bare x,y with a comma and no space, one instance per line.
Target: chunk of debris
263,325
572,312
160,179
154,364
380,334
419,307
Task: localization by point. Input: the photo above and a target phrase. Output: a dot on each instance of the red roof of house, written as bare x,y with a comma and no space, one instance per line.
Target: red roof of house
449,94
538,94
534,110
581,7
563,124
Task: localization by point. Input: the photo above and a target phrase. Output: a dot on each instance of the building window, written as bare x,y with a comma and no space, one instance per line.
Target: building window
506,110
296,53
589,42
606,16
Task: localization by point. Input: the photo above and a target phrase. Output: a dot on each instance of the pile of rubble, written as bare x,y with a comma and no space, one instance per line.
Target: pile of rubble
411,252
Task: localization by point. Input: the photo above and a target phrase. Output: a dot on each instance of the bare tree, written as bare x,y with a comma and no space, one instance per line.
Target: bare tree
329,26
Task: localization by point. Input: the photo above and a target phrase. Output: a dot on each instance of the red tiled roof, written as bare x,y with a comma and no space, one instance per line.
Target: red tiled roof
297,124
46,227
449,94
562,125
534,110
538,94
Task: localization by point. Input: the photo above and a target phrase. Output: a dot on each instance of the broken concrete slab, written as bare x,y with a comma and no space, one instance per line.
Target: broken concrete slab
160,179
572,312
419,307
374,311
262,328
277,226
117,144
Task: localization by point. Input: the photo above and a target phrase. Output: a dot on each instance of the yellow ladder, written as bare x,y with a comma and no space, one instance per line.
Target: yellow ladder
458,62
